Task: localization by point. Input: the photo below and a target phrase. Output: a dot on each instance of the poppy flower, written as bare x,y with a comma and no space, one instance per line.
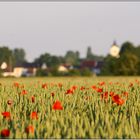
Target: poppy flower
130,85
94,87
34,115
5,133
23,92
29,129
6,115
69,91
74,87
33,99
125,94
99,90
104,96
9,102
57,106
52,94
101,83
111,93
116,99
44,85
60,85
82,88
16,84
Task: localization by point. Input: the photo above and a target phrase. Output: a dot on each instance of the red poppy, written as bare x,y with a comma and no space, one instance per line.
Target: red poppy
104,96
33,99
99,90
23,92
29,129
116,99
44,85
52,94
5,133
9,102
101,83
60,85
16,84
111,93
69,91
94,87
6,115
125,94
57,106
74,87
82,88
130,85
34,115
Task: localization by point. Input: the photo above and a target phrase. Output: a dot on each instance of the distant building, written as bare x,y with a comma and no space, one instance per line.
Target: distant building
94,66
25,69
114,50
62,69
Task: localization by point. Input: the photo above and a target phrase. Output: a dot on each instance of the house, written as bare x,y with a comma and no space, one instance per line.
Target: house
94,66
25,69
97,68
63,68
6,69
88,64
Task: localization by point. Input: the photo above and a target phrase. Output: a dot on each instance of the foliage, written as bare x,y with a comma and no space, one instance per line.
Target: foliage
126,64
6,55
41,72
86,72
19,56
72,57
49,60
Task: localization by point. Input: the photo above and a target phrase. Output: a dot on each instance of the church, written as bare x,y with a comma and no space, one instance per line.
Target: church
114,50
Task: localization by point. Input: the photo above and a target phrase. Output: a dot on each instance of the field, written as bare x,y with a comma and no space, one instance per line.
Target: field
97,107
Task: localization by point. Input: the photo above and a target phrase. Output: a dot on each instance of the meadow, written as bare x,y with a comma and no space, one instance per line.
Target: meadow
74,107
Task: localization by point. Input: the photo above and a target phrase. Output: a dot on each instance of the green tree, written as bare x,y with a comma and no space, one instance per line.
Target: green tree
127,47
89,53
43,58
86,72
128,64
110,66
6,56
50,61
72,57
19,55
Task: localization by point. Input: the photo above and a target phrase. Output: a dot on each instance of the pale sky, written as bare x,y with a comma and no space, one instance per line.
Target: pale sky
56,27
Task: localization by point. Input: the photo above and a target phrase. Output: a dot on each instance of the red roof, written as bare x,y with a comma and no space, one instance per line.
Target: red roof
88,63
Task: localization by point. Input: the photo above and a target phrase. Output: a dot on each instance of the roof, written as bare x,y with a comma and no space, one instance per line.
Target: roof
88,63
28,65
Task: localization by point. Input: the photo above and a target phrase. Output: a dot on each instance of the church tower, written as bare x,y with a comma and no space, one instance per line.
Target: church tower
114,50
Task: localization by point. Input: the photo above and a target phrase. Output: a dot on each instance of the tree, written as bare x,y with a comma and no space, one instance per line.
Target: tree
43,58
72,57
110,66
6,56
50,61
128,64
19,55
91,56
127,47
89,53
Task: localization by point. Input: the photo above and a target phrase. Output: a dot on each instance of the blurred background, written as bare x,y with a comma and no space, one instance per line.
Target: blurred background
69,39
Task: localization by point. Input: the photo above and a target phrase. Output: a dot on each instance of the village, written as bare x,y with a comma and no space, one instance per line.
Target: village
27,69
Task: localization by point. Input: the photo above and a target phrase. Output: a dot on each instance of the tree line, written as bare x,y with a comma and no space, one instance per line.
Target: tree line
127,64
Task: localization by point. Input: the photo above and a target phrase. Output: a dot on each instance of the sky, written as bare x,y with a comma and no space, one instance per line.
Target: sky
56,27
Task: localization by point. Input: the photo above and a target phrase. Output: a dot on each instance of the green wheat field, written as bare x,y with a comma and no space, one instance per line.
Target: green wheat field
72,107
